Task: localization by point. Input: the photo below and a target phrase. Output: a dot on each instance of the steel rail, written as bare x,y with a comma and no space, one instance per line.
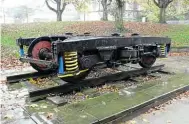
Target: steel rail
141,108
66,87
16,78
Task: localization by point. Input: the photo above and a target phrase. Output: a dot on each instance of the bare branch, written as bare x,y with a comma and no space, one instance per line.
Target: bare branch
170,1
63,7
156,3
51,8
109,2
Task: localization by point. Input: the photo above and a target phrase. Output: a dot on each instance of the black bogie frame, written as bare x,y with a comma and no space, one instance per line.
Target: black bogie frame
110,50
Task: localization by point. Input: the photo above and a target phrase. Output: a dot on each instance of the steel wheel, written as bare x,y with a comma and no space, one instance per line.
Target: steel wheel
147,61
34,52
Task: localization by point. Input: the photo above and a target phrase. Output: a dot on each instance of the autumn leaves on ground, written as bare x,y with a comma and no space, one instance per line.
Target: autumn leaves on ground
178,33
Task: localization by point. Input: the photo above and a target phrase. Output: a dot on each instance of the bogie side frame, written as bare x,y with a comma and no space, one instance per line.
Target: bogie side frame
70,55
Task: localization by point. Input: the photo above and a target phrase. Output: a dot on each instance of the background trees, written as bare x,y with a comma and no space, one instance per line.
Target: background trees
60,6
20,13
120,5
161,10
162,4
105,5
81,5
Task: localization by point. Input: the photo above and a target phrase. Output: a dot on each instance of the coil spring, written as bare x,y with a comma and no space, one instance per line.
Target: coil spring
71,62
163,49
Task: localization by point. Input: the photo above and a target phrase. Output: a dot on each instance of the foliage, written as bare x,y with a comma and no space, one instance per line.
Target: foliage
177,9
81,5
151,11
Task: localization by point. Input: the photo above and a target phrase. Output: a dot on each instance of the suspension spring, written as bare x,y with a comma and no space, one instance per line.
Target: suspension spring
163,49
71,61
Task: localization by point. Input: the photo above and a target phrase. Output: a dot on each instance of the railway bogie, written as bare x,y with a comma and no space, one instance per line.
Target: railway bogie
73,56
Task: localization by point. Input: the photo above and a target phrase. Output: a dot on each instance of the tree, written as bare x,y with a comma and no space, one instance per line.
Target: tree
81,6
120,6
20,13
162,4
60,7
177,10
105,4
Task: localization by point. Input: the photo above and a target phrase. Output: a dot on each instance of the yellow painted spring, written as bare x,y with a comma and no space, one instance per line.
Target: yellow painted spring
163,48
71,62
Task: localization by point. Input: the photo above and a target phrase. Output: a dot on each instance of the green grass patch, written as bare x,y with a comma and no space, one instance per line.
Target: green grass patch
12,32
179,35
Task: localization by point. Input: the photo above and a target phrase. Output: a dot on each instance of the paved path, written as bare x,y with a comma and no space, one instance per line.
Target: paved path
175,113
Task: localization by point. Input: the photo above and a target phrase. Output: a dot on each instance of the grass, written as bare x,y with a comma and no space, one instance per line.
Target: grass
11,32
178,33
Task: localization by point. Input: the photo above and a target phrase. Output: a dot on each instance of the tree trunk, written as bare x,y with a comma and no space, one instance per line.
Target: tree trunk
59,16
59,8
162,15
119,17
105,14
105,10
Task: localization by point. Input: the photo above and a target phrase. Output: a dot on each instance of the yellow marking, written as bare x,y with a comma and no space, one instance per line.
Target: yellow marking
66,75
71,52
70,75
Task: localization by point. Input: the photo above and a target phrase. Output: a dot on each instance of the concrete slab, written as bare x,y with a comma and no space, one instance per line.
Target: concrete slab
99,107
57,100
175,113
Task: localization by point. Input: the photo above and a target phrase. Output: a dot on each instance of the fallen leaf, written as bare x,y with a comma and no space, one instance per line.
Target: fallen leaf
55,109
83,116
33,105
8,116
131,122
40,113
49,115
43,106
103,103
168,121
145,120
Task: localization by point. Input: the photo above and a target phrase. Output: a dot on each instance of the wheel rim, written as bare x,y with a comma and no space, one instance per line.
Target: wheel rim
35,50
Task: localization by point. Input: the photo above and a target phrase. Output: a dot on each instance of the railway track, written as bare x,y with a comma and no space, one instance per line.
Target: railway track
16,78
65,87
